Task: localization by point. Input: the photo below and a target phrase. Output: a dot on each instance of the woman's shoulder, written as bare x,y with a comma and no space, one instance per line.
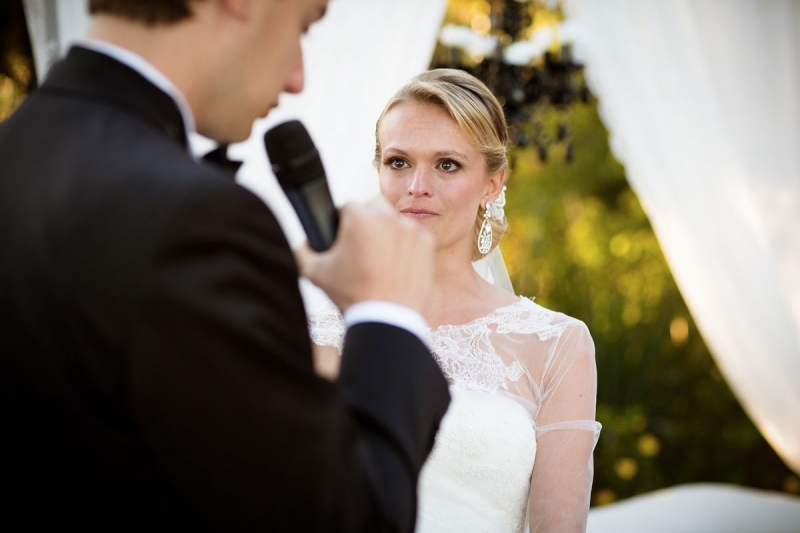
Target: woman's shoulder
525,316
543,338
572,334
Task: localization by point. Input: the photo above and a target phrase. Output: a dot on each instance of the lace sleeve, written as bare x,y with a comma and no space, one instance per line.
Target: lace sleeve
561,481
326,327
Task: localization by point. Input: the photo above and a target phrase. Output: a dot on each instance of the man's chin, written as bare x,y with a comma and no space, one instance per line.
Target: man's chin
227,135
269,110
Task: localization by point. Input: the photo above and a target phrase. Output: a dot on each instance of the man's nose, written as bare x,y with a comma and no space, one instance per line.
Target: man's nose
296,80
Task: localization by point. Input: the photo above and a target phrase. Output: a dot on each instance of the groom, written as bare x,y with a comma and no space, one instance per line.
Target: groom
155,366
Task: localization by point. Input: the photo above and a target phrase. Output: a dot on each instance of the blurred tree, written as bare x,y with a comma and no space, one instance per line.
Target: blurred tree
17,77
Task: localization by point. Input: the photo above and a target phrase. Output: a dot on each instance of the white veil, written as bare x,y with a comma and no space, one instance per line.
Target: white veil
492,268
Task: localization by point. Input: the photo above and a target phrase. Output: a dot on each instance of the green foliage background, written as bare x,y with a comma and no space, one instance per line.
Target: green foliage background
580,243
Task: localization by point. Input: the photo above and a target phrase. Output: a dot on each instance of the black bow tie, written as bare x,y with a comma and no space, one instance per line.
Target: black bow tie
219,158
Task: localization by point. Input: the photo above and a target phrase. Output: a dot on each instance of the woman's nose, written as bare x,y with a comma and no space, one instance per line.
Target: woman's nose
420,183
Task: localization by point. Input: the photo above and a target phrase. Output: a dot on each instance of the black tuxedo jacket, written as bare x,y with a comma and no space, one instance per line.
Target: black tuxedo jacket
155,365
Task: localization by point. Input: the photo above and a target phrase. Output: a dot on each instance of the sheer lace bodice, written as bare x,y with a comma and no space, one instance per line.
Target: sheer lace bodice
523,385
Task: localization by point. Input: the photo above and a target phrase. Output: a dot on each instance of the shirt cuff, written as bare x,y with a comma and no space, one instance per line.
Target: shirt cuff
389,313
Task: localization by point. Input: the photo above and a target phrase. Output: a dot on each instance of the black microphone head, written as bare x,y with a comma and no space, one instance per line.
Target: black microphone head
294,158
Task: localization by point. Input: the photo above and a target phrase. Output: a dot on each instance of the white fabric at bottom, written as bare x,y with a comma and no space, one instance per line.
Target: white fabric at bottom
478,474
700,508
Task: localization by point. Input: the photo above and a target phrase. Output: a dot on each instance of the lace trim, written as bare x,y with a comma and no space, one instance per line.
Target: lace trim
467,356
464,352
326,328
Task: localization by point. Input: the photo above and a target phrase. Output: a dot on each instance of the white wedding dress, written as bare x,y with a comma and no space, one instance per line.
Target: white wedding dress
514,451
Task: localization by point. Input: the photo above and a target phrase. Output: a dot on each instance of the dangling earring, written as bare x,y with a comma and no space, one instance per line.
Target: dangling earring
485,234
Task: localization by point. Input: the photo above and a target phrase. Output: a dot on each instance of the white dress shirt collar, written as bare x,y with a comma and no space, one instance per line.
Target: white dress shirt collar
150,73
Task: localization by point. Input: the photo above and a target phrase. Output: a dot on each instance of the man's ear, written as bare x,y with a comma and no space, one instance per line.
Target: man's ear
495,185
239,9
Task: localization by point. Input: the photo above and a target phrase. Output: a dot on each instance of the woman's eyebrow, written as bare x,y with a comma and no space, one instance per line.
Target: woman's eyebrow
440,153
393,149
447,153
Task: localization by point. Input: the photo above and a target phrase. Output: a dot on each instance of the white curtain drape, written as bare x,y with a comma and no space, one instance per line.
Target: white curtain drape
53,25
702,102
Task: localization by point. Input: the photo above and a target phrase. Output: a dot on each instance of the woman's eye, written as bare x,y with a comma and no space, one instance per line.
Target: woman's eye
397,164
449,165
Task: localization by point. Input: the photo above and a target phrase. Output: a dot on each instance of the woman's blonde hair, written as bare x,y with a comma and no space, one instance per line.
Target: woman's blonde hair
476,111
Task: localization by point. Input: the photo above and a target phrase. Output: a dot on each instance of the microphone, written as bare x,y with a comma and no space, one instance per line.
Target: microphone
296,163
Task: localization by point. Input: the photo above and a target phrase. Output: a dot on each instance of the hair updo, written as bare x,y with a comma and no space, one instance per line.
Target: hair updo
476,111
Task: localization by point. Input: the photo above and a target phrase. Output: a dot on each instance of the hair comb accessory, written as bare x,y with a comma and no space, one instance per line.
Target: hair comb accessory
498,212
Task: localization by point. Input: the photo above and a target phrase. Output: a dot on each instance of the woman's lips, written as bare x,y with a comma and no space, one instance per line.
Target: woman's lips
418,213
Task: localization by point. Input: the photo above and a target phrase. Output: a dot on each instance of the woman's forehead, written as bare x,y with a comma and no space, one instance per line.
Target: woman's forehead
422,125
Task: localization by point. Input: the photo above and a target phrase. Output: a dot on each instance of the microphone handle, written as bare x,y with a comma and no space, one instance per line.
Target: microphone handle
314,207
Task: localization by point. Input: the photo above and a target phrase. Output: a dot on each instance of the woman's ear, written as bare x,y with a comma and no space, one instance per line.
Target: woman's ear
495,185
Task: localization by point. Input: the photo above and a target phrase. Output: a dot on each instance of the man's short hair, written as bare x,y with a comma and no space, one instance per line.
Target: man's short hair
150,12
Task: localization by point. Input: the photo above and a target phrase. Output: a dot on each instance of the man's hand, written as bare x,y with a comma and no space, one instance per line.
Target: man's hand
378,255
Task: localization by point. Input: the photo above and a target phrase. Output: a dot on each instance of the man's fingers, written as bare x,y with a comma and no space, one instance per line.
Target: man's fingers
378,255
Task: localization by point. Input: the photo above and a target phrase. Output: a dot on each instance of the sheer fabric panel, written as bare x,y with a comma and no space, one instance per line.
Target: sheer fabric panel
702,101
560,387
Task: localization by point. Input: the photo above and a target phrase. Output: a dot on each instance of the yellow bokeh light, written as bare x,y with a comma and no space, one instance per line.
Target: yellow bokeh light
9,97
481,24
626,468
792,485
649,445
679,331
604,497
6,87
20,70
481,7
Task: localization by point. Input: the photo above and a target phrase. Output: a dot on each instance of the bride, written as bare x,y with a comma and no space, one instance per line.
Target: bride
514,451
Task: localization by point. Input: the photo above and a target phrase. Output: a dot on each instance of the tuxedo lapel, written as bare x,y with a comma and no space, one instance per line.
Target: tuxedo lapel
88,75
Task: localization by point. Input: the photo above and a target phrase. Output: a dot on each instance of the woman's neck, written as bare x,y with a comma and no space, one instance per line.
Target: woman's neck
459,294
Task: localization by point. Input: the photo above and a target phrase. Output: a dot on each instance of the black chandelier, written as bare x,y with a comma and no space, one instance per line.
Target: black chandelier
536,90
